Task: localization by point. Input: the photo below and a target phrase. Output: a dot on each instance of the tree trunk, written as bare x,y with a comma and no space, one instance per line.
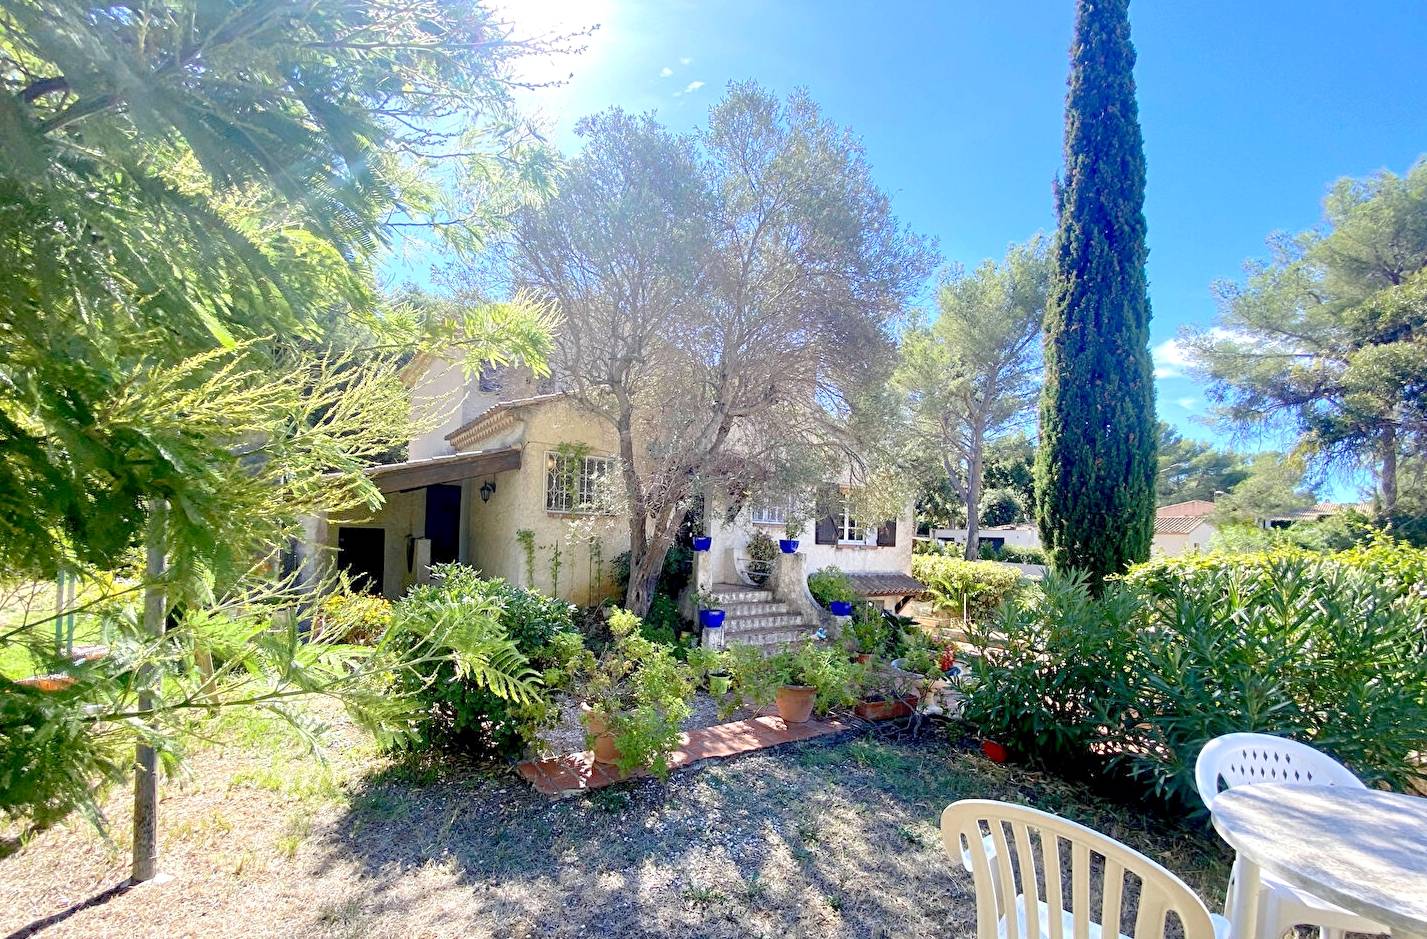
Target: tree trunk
644,572
1387,478
975,469
146,779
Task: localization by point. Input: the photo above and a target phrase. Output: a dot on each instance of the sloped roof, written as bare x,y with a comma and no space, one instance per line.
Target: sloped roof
1194,508
1177,524
482,424
884,583
414,474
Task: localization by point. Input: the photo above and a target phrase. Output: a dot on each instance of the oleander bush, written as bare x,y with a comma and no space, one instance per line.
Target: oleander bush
1326,649
461,712
974,589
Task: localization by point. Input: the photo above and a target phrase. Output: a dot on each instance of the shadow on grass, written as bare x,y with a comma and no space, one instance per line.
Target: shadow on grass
821,837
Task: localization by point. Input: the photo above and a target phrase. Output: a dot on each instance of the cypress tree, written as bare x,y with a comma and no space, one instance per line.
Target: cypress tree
1095,469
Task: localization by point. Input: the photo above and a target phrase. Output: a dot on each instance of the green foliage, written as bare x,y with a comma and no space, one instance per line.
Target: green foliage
830,584
360,618
971,376
644,693
1324,649
1190,470
1273,486
662,622
525,537
762,552
1013,554
869,630
499,709
757,677
971,588
1001,507
1096,466
1328,338
1337,532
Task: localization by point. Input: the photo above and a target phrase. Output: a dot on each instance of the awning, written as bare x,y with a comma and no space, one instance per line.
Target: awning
884,583
414,474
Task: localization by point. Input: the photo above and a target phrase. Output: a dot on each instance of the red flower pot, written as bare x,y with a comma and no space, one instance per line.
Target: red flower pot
994,751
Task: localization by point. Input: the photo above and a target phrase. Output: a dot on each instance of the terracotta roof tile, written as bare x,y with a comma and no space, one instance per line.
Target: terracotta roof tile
884,583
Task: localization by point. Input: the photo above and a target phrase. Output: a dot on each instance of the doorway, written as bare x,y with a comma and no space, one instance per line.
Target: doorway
443,523
361,555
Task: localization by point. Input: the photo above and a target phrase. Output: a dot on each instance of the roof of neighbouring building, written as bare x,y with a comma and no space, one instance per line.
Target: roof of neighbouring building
1195,508
884,583
1177,524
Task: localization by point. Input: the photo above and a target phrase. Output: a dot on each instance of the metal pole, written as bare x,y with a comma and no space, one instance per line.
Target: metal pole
146,779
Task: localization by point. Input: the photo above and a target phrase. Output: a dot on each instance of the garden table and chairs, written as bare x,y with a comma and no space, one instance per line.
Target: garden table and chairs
1314,845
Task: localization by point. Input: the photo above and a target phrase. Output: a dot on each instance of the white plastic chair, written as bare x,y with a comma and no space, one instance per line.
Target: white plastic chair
1001,917
1250,759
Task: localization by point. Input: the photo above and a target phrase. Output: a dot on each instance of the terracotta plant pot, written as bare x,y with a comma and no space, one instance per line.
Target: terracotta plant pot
995,752
595,723
885,709
863,658
795,703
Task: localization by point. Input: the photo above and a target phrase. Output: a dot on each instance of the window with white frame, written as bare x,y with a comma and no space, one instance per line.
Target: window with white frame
849,529
769,512
575,483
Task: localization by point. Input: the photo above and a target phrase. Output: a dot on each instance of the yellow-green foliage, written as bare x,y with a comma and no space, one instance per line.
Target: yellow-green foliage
972,588
357,618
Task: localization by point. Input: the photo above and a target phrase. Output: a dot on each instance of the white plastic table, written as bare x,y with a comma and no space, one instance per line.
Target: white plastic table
1362,849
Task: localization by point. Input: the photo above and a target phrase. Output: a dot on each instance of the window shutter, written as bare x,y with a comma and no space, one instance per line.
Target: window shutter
827,525
887,534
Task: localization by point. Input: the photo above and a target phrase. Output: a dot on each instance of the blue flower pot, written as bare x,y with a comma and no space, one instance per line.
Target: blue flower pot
788,545
702,543
711,619
840,607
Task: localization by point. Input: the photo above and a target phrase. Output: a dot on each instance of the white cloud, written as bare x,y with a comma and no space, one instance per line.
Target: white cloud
665,72
689,89
1186,403
1171,358
686,61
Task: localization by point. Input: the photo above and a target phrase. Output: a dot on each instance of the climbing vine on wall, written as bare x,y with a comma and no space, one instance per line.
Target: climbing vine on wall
526,538
596,566
555,565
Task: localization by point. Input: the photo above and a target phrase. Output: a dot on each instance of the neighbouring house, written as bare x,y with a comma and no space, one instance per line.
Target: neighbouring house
503,479
1312,513
1178,529
1183,527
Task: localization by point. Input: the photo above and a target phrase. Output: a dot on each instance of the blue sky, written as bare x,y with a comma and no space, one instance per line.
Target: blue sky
1249,109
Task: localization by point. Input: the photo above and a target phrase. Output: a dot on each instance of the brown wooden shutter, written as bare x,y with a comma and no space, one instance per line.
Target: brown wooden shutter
887,534
827,525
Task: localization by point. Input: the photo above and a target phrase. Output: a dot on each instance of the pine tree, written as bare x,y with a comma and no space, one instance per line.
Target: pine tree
1095,471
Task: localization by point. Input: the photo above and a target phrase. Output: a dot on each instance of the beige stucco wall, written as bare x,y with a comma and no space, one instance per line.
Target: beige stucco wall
402,515
519,502
730,545
1175,545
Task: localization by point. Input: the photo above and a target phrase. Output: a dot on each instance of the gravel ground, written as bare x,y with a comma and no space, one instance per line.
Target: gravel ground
824,838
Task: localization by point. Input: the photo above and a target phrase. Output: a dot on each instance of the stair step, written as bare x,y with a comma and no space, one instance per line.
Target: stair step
761,608
751,595
772,639
738,624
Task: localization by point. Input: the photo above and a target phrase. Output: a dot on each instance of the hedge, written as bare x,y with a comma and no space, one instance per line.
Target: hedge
971,588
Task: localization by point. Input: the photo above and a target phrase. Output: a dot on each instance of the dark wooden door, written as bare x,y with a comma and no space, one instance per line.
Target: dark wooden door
443,523
361,555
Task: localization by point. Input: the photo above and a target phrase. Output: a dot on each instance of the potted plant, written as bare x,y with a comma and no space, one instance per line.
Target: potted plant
761,552
636,696
833,589
710,666
868,632
792,528
797,682
702,542
710,616
893,696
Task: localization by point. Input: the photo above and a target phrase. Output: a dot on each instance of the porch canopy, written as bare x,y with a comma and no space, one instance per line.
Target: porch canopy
433,471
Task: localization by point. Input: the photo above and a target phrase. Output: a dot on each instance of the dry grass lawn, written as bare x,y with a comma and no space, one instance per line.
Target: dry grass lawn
824,838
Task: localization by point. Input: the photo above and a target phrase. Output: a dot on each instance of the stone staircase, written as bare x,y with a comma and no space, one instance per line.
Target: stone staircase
756,618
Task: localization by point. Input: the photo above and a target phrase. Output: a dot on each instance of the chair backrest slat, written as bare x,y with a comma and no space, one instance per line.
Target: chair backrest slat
1054,891
1161,892
1250,759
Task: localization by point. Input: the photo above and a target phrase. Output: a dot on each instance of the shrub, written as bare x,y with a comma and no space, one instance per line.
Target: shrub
762,550
869,630
1327,650
973,589
461,712
643,692
829,585
757,677
357,618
